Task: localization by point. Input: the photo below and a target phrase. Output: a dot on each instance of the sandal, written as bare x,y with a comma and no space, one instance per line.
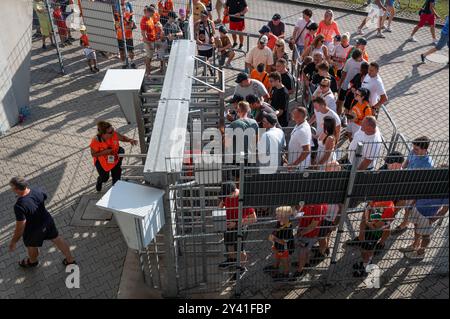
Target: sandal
66,263
25,263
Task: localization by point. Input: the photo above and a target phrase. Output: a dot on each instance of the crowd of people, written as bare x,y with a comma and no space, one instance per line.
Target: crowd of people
345,92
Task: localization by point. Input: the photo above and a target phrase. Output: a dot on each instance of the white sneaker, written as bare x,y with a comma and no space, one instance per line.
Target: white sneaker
407,249
412,39
414,255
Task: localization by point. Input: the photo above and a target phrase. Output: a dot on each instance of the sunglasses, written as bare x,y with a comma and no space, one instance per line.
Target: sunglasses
279,45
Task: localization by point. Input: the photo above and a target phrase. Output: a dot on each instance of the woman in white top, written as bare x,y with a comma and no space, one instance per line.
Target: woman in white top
327,144
340,53
317,46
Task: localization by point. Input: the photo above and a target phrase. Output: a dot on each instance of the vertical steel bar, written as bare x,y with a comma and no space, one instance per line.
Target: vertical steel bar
203,228
239,226
337,241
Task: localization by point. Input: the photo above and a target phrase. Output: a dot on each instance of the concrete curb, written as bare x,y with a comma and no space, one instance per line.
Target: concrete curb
348,10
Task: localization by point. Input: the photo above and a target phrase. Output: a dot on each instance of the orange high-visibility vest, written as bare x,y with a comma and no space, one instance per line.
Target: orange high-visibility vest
98,145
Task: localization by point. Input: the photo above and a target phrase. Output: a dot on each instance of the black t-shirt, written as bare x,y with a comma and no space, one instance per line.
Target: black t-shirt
32,209
258,115
288,80
234,7
426,9
316,79
277,29
280,101
285,233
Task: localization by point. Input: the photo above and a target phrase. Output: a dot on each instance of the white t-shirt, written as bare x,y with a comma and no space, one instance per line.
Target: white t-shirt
300,136
340,52
351,68
270,146
329,97
301,25
257,56
320,117
371,146
375,86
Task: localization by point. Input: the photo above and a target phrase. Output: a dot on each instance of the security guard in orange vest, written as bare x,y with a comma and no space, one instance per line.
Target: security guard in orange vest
105,150
129,27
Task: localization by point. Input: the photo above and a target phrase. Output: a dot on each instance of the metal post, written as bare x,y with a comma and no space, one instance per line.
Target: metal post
140,125
203,217
239,227
58,52
123,34
137,223
358,156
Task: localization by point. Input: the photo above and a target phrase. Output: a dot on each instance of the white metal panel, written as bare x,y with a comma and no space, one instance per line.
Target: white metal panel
122,80
136,208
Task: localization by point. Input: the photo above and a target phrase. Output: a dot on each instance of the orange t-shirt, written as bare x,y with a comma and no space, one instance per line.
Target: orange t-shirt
128,30
165,7
328,31
361,110
148,26
261,77
272,40
98,145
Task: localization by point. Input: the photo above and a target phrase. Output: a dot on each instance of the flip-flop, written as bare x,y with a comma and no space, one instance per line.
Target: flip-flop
66,263
25,263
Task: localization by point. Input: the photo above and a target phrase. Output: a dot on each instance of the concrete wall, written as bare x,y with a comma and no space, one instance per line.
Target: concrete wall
15,53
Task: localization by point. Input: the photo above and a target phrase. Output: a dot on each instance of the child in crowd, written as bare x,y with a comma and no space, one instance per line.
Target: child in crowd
88,52
283,242
224,45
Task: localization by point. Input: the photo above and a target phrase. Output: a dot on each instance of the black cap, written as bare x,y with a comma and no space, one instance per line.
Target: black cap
173,15
264,29
392,158
337,37
271,118
223,29
235,99
252,98
312,26
241,77
361,41
276,16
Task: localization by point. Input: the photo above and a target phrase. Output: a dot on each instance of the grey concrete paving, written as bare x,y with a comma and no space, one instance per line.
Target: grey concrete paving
51,149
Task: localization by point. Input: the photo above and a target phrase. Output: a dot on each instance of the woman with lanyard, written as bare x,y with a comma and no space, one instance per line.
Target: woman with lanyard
340,52
105,150
205,31
329,28
326,144
317,46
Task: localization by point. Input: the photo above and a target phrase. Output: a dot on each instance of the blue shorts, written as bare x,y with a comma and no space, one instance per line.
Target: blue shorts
443,40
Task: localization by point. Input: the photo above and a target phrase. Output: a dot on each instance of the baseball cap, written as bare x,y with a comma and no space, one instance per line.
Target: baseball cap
264,29
241,77
361,41
252,98
223,29
82,27
270,117
276,16
235,99
264,39
312,26
337,37
392,158
182,12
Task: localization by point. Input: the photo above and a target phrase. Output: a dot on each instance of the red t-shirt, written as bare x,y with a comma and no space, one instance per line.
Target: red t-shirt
232,209
84,40
312,213
148,26
272,41
388,208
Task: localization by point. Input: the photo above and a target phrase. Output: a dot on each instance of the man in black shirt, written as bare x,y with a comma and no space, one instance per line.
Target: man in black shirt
236,9
323,72
286,78
34,223
258,108
280,98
